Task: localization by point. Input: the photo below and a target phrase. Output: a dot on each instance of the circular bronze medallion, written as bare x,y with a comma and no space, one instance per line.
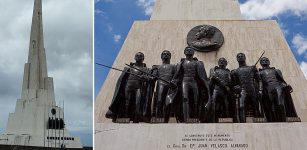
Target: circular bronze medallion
53,111
205,38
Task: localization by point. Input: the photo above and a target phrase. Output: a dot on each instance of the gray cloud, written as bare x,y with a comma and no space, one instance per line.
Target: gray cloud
68,43
147,5
264,9
303,66
299,41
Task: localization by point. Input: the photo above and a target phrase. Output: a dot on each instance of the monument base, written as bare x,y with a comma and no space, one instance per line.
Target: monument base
122,120
225,120
293,119
18,147
192,120
157,120
235,136
54,141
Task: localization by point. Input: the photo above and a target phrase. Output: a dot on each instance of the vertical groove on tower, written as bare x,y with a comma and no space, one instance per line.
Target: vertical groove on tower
37,58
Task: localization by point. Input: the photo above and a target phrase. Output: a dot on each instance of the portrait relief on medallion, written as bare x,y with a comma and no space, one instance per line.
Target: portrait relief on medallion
205,38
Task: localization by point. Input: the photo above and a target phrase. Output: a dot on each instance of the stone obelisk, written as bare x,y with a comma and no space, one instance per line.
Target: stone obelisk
37,120
167,29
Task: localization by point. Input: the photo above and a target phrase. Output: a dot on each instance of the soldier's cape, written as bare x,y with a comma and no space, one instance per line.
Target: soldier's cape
290,108
119,94
118,100
174,95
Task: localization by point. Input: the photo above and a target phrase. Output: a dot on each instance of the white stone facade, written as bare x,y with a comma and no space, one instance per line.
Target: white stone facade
196,10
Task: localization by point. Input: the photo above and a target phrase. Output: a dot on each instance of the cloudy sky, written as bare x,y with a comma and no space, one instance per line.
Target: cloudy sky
68,43
113,19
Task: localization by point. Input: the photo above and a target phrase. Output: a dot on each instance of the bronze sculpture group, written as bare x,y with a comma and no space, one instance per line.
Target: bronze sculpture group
185,92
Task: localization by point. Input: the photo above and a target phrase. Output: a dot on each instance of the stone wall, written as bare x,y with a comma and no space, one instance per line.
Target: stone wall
196,10
232,136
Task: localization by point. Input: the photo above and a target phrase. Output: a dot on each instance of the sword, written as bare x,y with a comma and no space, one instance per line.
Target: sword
118,69
259,58
246,78
168,82
255,65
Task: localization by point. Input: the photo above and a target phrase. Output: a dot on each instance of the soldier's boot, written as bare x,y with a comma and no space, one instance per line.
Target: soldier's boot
207,113
281,113
242,115
126,111
195,111
186,111
109,114
159,110
213,113
274,116
256,112
167,111
227,114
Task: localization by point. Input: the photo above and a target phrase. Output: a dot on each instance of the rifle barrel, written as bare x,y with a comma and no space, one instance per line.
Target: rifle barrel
118,69
254,65
168,82
259,58
109,67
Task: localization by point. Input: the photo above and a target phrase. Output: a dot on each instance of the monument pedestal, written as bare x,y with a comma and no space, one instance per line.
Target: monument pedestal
225,120
251,37
234,136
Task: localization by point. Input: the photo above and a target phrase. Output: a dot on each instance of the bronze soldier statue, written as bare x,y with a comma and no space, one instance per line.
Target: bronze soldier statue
218,106
165,71
192,83
277,99
246,83
131,95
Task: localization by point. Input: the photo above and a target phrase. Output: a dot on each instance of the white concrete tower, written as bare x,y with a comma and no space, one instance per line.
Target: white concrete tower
37,120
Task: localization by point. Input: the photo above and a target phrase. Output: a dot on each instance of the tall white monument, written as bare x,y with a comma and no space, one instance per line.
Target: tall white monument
37,120
167,29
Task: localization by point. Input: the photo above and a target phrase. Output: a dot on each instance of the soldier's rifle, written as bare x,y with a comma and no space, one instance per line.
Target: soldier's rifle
246,78
168,82
256,62
118,70
254,66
